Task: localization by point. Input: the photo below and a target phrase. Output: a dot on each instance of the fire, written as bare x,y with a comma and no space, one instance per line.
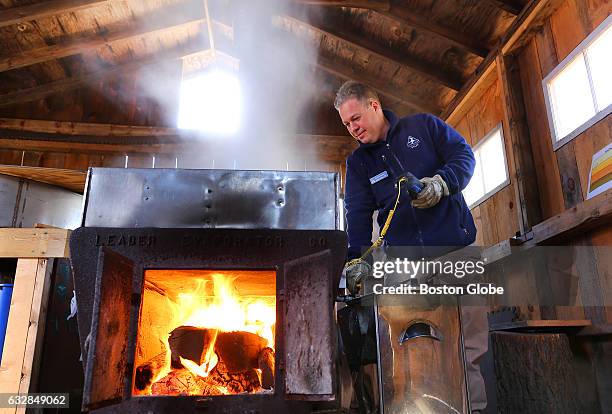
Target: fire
213,304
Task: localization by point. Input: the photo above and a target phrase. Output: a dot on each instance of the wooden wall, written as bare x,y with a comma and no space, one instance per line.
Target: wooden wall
496,218
563,174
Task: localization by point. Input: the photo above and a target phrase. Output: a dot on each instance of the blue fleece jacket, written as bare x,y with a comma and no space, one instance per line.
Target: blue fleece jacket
423,145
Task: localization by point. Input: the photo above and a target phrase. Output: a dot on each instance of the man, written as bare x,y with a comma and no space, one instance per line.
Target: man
391,148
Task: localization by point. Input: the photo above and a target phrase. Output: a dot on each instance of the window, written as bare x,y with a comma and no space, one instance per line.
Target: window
491,172
579,91
210,102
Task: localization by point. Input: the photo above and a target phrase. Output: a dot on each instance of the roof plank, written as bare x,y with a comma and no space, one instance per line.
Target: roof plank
36,11
367,45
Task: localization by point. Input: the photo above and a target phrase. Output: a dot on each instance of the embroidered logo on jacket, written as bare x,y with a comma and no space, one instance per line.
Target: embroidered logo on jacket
412,142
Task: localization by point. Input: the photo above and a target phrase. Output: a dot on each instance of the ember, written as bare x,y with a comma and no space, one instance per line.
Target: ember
206,333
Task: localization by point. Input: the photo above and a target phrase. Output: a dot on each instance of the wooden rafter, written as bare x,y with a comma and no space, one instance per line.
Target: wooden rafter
30,57
44,90
367,45
516,36
329,148
506,5
348,73
379,5
404,15
84,128
36,11
466,42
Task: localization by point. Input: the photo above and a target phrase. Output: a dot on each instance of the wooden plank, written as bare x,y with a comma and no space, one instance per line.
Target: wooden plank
36,329
84,128
37,11
406,16
517,35
378,5
472,90
530,20
332,148
92,78
347,73
526,195
570,178
591,293
567,28
30,57
533,60
541,323
69,179
585,216
19,349
506,5
367,45
29,243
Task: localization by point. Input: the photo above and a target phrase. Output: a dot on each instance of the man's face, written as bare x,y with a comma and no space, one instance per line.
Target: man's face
364,120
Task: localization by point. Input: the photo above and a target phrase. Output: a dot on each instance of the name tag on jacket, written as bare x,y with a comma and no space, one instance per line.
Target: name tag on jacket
378,177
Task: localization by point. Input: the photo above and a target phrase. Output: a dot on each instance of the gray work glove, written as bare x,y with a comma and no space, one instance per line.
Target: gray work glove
354,273
432,192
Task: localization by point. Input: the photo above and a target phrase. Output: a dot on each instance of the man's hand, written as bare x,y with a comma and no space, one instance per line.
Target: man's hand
355,272
434,189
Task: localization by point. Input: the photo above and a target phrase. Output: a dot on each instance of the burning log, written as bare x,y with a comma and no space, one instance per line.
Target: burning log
183,382
265,361
147,371
233,382
191,343
239,350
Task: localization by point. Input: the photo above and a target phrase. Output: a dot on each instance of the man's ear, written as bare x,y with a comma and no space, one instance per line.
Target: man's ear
375,105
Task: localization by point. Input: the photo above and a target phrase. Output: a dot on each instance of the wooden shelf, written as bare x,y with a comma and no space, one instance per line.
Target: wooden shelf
69,179
540,324
575,221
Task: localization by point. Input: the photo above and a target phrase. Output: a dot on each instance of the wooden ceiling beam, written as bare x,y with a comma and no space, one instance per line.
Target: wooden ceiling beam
329,148
15,15
62,85
84,128
403,15
369,46
378,5
506,5
384,88
30,57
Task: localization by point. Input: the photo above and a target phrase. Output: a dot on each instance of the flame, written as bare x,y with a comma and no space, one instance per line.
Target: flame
201,370
212,302
228,312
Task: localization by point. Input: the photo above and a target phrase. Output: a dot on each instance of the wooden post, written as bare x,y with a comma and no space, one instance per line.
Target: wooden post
515,123
28,312
26,324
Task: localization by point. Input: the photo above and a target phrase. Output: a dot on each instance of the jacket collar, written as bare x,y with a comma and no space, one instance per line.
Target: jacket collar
393,120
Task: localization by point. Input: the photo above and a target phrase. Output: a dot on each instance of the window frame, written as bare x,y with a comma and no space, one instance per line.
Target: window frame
499,127
601,114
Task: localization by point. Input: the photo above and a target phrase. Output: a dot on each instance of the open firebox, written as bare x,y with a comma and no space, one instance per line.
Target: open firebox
235,317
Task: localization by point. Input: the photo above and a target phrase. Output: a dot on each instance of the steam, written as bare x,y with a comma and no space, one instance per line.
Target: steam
277,86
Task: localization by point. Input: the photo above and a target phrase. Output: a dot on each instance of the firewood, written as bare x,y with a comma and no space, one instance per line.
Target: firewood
266,365
190,342
239,350
234,382
147,371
